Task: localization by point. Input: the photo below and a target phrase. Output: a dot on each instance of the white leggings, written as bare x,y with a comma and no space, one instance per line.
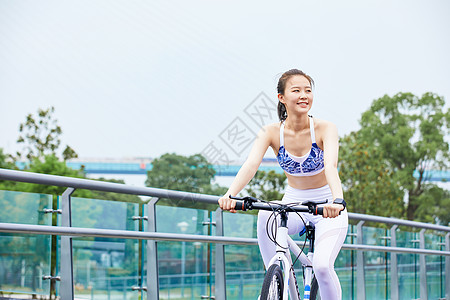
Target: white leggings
330,235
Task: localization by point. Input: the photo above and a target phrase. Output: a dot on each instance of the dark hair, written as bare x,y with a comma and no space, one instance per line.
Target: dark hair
282,113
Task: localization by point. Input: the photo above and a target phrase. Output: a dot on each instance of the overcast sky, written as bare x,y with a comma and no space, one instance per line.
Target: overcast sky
142,78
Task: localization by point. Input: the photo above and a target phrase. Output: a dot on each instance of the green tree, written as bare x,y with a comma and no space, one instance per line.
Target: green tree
40,136
51,165
6,160
407,134
437,205
177,172
370,186
267,185
183,173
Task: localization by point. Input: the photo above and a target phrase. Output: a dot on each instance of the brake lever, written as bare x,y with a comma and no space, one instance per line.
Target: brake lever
309,202
246,198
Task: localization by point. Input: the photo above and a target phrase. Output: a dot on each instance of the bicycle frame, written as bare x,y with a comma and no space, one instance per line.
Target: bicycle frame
284,245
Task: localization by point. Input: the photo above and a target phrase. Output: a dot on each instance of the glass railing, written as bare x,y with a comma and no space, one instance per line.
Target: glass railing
185,268
112,268
435,267
106,268
25,259
244,265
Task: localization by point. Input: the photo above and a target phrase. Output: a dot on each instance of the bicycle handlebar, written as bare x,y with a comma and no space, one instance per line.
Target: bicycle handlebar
250,203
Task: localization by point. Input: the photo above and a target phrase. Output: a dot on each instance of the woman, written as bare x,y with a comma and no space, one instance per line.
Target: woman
307,150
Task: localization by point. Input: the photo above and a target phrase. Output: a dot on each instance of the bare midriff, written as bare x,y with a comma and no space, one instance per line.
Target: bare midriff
307,182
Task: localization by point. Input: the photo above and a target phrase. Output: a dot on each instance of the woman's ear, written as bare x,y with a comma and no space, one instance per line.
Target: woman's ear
281,98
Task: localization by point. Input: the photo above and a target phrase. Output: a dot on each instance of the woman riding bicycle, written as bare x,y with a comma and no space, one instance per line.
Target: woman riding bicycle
307,150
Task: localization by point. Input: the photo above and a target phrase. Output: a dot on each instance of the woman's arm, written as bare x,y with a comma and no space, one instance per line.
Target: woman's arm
331,152
248,169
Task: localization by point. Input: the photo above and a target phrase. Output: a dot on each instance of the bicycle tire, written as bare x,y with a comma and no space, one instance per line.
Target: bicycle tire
273,284
315,294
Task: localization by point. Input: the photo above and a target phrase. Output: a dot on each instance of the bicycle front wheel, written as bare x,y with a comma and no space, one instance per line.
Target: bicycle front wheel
315,295
273,284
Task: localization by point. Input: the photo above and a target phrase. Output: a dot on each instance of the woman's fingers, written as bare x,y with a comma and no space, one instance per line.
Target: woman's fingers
226,203
332,210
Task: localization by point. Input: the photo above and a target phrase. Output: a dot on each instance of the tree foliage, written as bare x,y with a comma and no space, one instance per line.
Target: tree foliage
435,205
40,136
183,173
267,185
6,160
51,165
370,186
177,172
405,134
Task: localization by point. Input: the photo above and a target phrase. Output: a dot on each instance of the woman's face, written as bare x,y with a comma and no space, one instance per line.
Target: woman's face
298,95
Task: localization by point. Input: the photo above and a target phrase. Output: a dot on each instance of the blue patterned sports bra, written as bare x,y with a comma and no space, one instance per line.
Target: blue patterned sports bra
306,165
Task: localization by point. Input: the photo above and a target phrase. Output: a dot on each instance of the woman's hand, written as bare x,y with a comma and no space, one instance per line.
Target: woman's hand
332,210
226,203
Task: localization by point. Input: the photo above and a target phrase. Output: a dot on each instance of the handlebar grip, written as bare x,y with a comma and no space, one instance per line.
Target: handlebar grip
240,205
319,211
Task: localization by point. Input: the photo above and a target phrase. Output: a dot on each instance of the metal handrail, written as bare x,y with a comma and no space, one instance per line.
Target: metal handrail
176,237
89,184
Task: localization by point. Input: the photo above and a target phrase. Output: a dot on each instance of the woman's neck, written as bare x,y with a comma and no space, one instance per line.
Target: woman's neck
297,123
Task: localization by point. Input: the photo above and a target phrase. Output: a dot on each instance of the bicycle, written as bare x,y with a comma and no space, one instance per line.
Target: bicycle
281,266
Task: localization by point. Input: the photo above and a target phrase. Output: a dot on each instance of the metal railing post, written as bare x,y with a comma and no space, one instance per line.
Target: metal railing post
66,289
221,291
423,268
447,267
360,268
394,266
152,254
